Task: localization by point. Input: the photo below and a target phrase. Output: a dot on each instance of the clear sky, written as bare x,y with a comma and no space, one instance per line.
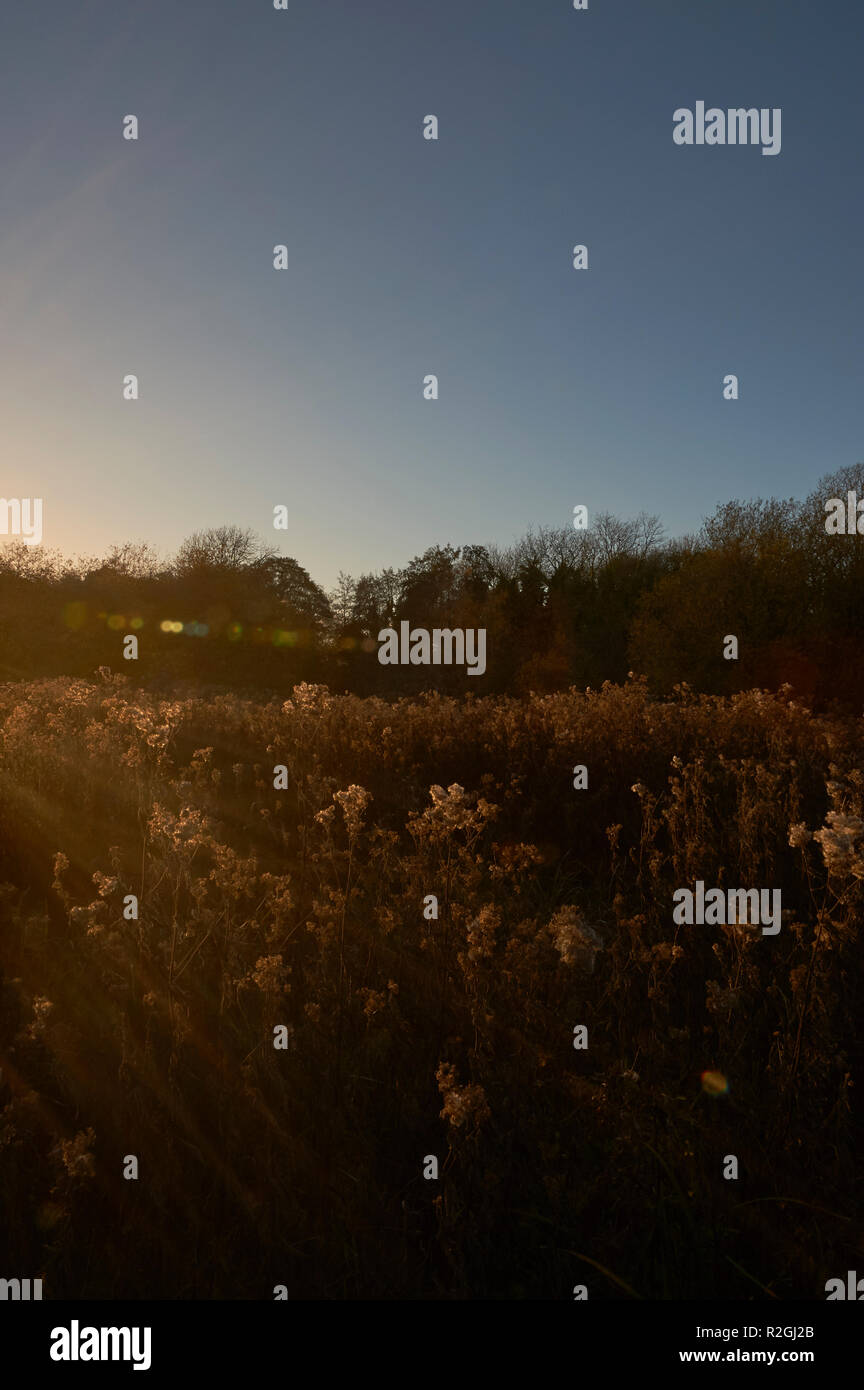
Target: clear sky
409,257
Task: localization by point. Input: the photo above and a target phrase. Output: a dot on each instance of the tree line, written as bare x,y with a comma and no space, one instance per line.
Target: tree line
560,607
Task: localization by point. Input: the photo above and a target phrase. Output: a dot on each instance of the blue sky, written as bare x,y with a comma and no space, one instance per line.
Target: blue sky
407,257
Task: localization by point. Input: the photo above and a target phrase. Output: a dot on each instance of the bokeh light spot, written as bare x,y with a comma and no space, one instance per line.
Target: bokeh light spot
75,615
714,1083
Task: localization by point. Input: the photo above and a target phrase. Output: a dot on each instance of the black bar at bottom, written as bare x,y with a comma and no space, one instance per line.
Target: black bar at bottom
161,1339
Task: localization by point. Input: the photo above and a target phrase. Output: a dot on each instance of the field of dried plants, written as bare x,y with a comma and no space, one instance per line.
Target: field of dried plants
408,1035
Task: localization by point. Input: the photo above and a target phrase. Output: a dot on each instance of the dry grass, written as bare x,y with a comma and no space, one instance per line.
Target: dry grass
407,1036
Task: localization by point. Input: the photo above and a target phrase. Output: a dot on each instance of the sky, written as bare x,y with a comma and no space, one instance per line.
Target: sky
304,387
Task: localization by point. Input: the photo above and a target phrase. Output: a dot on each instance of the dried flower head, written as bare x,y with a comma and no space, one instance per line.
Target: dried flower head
353,803
840,839
463,1105
576,943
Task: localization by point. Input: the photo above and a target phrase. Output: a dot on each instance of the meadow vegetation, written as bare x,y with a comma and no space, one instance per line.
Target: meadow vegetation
411,1036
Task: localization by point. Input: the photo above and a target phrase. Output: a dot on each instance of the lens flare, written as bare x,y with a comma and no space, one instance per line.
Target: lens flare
75,615
714,1083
